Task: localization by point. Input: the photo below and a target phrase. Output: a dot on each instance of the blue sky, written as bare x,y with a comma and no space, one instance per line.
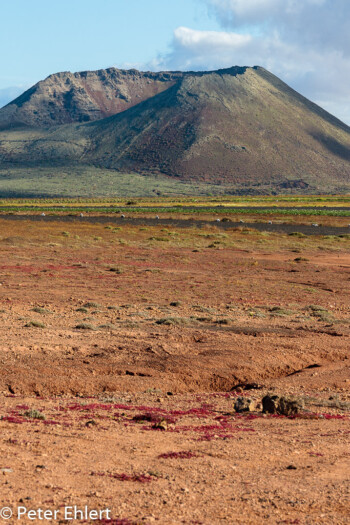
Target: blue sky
304,42
40,37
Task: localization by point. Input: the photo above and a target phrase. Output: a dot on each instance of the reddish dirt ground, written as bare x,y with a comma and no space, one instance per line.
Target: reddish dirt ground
109,331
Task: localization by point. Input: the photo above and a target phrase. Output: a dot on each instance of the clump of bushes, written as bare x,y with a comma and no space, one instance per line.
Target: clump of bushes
322,314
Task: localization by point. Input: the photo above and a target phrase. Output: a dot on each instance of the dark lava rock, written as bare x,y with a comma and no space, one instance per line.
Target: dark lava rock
270,404
244,404
281,405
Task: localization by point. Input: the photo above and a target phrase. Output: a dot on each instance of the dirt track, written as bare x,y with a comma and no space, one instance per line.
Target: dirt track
275,227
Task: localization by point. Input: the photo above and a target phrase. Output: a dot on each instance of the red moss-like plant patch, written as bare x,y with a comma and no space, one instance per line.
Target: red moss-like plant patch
198,412
90,407
154,418
140,478
313,415
115,521
13,419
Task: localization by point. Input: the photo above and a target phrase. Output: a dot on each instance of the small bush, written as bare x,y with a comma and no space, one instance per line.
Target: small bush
34,414
277,310
91,305
40,310
173,321
85,326
108,326
178,455
115,270
316,309
35,324
163,239
322,314
297,234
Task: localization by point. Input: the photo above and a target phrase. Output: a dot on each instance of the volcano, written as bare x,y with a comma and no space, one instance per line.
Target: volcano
236,127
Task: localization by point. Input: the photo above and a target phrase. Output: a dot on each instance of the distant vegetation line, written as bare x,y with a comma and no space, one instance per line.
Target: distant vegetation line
188,210
306,200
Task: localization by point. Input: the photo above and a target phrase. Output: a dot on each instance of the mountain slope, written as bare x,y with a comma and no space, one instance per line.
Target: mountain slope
229,128
239,127
82,97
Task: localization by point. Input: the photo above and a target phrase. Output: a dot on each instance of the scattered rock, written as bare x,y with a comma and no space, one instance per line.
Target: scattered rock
91,423
244,404
247,386
161,425
289,406
270,404
286,406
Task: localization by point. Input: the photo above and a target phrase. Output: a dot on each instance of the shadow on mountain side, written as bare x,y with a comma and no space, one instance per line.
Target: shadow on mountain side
333,145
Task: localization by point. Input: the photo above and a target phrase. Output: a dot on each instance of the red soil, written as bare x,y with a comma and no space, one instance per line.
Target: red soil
244,311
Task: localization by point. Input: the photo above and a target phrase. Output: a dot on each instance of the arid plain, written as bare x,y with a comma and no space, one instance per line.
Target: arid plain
125,347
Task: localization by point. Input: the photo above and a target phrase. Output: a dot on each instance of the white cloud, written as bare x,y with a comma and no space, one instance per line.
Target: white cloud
243,9
195,39
200,49
304,42
236,11
192,49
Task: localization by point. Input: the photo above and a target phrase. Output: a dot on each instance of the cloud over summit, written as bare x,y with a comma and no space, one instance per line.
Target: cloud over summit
306,43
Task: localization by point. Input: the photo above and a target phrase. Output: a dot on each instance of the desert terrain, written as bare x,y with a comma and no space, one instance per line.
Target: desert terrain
124,348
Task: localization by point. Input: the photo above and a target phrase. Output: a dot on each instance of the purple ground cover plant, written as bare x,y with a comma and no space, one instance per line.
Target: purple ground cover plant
140,478
153,418
115,521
